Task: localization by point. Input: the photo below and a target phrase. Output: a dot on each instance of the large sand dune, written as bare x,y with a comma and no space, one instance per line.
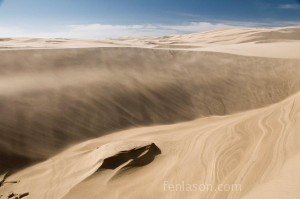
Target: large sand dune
251,148
229,117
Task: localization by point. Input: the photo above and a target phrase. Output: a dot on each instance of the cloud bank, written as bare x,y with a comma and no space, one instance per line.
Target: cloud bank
112,31
102,31
290,6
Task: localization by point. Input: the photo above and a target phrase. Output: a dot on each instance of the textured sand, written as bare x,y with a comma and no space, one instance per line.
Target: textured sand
124,118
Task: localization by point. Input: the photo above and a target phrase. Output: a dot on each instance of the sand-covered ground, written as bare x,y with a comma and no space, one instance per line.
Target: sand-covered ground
208,115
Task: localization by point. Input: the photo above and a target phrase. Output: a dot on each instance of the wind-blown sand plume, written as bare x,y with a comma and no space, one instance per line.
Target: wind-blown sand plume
130,122
61,97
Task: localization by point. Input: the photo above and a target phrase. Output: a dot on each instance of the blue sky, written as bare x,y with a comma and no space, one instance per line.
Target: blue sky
115,18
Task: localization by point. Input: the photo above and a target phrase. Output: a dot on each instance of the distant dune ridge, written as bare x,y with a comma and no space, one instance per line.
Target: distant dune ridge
91,119
262,42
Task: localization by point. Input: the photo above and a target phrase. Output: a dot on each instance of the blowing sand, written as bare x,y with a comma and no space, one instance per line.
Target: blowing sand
208,115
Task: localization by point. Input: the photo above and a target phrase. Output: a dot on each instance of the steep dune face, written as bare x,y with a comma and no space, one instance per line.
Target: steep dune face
51,99
245,150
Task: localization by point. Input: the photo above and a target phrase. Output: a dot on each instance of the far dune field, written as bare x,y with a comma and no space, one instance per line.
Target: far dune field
131,117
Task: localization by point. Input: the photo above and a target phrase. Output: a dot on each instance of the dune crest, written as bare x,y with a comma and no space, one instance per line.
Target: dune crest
80,163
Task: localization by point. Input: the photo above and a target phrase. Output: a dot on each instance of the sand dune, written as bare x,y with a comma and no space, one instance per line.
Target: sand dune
249,148
90,93
262,42
129,118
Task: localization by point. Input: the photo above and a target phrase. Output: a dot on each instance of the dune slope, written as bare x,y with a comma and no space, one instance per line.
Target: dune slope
246,149
50,99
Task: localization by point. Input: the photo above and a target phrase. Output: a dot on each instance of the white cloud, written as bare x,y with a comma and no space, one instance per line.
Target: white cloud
112,31
11,31
104,31
195,27
101,31
290,6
